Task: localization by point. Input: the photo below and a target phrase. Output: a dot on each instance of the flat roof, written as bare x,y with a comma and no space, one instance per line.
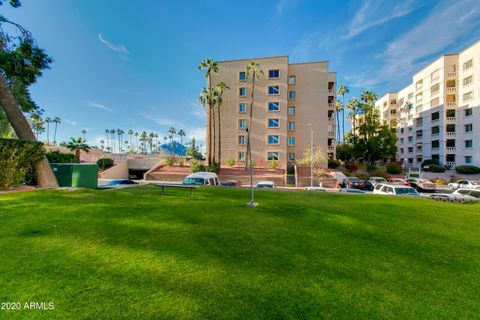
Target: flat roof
273,57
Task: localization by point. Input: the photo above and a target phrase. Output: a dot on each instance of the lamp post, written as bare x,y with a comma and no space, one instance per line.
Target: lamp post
252,203
311,154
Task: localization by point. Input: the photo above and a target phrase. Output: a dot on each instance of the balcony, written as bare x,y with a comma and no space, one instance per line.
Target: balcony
331,149
451,119
331,105
450,149
331,120
451,133
434,149
451,89
331,92
451,104
451,74
331,134
450,164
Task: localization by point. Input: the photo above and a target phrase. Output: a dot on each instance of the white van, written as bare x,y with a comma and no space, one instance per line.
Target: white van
202,179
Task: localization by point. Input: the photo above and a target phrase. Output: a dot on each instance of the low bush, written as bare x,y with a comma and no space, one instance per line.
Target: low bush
170,161
104,163
214,167
371,167
321,173
230,162
394,168
18,159
333,164
196,166
59,157
429,162
362,176
434,168
273,164
467,169
439,182
181,162
380,172
351,166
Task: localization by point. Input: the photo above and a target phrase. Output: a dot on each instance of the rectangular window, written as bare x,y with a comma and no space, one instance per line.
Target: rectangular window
467,65
450,128
419,159
272,90
242,107
435,144
292,80
241,140
419,133
410,149
435,89
468,159
272,139
435,116
435,102
273,123
450,158
242,76
468,112
273,74
469,127
468,143
291,111
272,156
468,96
242,123
401,150
401,140
242,92
410,139
291,125
467,81
241,156
273,106
435,75
435,130
291,156
450,113
450,143
291,141
291,95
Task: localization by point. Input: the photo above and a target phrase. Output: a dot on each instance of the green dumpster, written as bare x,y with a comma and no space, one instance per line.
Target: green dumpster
77,175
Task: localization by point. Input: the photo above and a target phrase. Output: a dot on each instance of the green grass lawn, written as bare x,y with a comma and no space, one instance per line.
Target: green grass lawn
135,254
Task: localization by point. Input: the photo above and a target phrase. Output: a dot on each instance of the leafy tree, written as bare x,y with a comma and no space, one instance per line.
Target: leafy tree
77,145
193,150
316,158
22,62
84,132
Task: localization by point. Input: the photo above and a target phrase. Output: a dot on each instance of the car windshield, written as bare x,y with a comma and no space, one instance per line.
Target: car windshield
380,180
406,191
264,186
193,181
354,179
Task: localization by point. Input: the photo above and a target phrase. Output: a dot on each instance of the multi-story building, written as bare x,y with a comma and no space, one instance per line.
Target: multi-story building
290,100
439,112
387,106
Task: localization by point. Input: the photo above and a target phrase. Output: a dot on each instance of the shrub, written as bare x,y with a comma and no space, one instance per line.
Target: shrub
380,172
196,166
230,162
321,173
371,167
351,166
214,167
181,162
434,168
170,161
362,176
467,169
429,162
18,159
104,163
273,164
439,182
59,157
333,164
394,168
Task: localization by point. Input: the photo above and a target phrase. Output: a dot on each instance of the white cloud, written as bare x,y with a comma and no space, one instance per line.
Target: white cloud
198,110
73,123
198,133
118,48
99,106
162,121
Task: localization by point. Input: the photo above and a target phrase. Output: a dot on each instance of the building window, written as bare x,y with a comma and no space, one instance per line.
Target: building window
434,102
242,91
435,144
272,90
410,139
272,139
450,128
291,141
291,95
468,96
435,130
450,158
469,127
435,116
467,65
292,80
291,156
419,159
241,139
450,143
435,89
272,156
401,150
468,112
242,76
274,74
467,81
468,159
242,123
291,125
273,106
435,75
241,156
291,111
450,113
242,107
402,130
468,143
273,123
410,149
401,140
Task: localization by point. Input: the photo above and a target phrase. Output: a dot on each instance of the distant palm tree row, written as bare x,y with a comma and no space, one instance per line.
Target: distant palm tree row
139,142
38,126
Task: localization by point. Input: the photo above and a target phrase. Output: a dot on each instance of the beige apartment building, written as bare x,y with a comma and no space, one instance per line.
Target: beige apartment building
291,99
438,114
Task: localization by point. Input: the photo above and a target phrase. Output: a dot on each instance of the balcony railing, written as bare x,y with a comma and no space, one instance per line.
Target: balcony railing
331,134
450,164
331,105
450,119
331,92
451,133
451,104
331,148
451,149
331,119
451,89
451,74
434,148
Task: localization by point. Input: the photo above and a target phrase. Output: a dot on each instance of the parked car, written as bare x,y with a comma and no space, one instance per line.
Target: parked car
348,190
464,184
455,197
202,179
352,182
376,180
367,185
468,192
422,185
395,190
266,185
231,183
339,176
320,189
399,181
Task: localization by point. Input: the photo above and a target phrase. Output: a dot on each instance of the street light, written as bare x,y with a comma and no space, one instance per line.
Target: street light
252,203
311,154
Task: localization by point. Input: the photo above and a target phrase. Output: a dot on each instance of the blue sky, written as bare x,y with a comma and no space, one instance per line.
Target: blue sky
132,64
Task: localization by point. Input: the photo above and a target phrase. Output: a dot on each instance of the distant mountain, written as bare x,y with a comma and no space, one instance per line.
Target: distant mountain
178,149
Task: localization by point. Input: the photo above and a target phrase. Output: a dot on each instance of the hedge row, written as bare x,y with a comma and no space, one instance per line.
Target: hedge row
18,160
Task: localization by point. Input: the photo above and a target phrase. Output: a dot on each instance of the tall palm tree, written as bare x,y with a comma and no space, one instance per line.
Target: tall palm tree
120,133
172,131
143,139
156,142
136,138
102,144
255,72
151,136
113,132
37,125
48,120
107,133
77,145
211,67
342,91
130,133
57,122
352,106
181,134
84,132
221,88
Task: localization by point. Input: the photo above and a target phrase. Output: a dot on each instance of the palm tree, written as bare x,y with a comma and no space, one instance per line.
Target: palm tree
77,145
107,133
120,133
156,142
48,120
136,138
57,122
102,144
172,131
221,88
352,106
165,140
211,67
130,133
342,91
151,136
181,134
112,132
84,132
143,139
255,72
